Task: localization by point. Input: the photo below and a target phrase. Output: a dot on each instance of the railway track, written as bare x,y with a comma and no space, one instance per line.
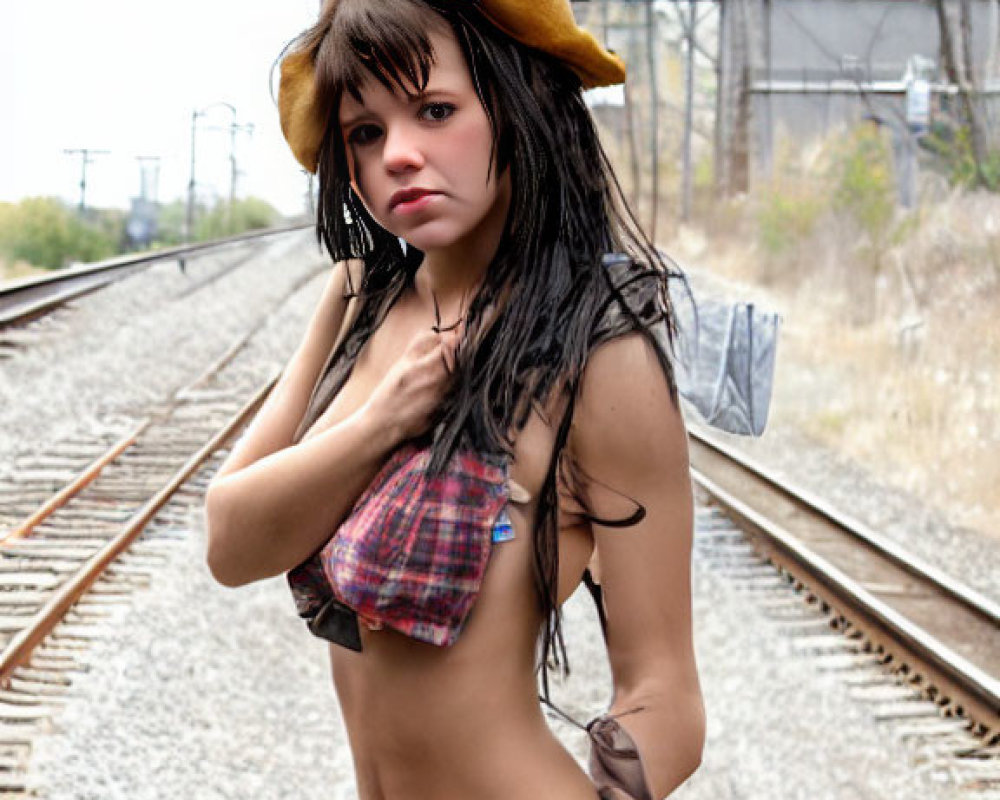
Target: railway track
29,298
81,552
918,645
91,528
86,523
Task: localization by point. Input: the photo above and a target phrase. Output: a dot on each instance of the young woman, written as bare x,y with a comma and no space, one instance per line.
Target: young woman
482,406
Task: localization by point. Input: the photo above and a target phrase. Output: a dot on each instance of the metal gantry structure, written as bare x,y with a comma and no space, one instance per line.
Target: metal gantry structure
85,154
234,128
752,71
643,32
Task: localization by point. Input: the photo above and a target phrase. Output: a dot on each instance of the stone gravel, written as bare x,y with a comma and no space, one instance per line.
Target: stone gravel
97,366
201,691
206,692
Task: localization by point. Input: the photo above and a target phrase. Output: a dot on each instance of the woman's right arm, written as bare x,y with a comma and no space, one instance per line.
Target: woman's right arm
273,503
274,425
272,514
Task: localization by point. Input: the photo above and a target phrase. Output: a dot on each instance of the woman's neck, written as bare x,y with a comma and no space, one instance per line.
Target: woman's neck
452,275
450,284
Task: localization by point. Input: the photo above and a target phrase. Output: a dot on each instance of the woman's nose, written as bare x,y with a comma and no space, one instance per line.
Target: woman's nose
402,150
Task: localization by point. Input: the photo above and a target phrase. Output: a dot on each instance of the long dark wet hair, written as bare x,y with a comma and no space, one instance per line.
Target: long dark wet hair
551,292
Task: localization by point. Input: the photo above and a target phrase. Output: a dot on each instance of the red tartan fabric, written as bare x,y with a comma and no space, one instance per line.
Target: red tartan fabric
413,551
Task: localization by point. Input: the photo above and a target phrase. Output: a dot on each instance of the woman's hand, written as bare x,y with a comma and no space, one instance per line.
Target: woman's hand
412,390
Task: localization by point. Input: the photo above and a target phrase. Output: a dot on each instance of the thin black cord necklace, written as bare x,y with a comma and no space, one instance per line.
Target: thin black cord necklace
437,327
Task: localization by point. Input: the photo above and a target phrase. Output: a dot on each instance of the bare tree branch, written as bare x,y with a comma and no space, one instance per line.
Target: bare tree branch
834,57
685,34
873,40
962,74
970,93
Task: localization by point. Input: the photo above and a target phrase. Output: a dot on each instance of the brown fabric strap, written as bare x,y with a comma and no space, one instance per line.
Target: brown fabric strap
615,761
351,308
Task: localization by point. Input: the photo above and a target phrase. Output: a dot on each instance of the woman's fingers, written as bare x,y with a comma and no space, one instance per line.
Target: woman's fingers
424,342
429,359
414,387
450,343
448,357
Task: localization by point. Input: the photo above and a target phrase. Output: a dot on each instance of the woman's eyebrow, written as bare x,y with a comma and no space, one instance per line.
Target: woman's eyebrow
416,97
347,123
436,90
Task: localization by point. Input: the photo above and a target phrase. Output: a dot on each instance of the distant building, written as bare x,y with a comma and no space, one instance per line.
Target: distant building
140,227
802,68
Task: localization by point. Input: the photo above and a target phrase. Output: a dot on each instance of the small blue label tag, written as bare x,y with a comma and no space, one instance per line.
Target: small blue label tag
503,530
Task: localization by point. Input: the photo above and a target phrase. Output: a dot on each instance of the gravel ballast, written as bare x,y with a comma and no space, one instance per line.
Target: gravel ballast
200,691
205,692
95,368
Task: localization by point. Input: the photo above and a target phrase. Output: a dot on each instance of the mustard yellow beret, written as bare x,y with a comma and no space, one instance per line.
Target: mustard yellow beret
546,25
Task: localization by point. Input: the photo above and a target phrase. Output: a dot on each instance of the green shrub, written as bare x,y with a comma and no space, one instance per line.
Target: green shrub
170,220
248,214
785,220
45,233
863,185
953,147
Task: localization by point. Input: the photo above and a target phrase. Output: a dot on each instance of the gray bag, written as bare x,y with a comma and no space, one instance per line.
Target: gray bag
726,361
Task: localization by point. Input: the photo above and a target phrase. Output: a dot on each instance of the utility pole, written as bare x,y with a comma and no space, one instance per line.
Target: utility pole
85,153
604,21
689,39
192,183
733,102
654,121
723,67
189,216
310,202
633,144
767,137
234,128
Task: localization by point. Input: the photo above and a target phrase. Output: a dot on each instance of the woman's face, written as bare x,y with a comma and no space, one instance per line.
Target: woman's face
420,163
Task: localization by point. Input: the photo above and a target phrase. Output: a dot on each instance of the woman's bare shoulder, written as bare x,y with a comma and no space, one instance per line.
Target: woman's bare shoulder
626,400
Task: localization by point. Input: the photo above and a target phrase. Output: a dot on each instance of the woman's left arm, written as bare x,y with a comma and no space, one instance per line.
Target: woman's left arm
629,439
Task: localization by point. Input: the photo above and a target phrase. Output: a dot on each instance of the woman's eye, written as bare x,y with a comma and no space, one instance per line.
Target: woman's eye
363,134
437,112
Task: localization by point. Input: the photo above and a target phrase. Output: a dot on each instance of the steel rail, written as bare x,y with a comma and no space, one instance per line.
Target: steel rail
26,298
919,568
19,648
730,478
71,490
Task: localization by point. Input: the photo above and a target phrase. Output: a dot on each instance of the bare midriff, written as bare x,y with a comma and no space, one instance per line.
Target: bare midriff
461,722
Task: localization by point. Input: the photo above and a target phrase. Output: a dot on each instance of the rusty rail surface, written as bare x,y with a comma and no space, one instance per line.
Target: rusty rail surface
930,623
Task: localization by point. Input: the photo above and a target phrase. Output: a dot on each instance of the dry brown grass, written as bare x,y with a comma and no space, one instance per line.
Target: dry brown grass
892,357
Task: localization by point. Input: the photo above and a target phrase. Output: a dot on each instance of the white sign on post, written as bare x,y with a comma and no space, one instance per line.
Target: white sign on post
918,104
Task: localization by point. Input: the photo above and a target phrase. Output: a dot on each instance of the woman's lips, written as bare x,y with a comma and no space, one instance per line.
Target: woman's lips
415,204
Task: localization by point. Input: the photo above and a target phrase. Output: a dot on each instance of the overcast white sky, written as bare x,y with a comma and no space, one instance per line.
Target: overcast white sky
124,76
